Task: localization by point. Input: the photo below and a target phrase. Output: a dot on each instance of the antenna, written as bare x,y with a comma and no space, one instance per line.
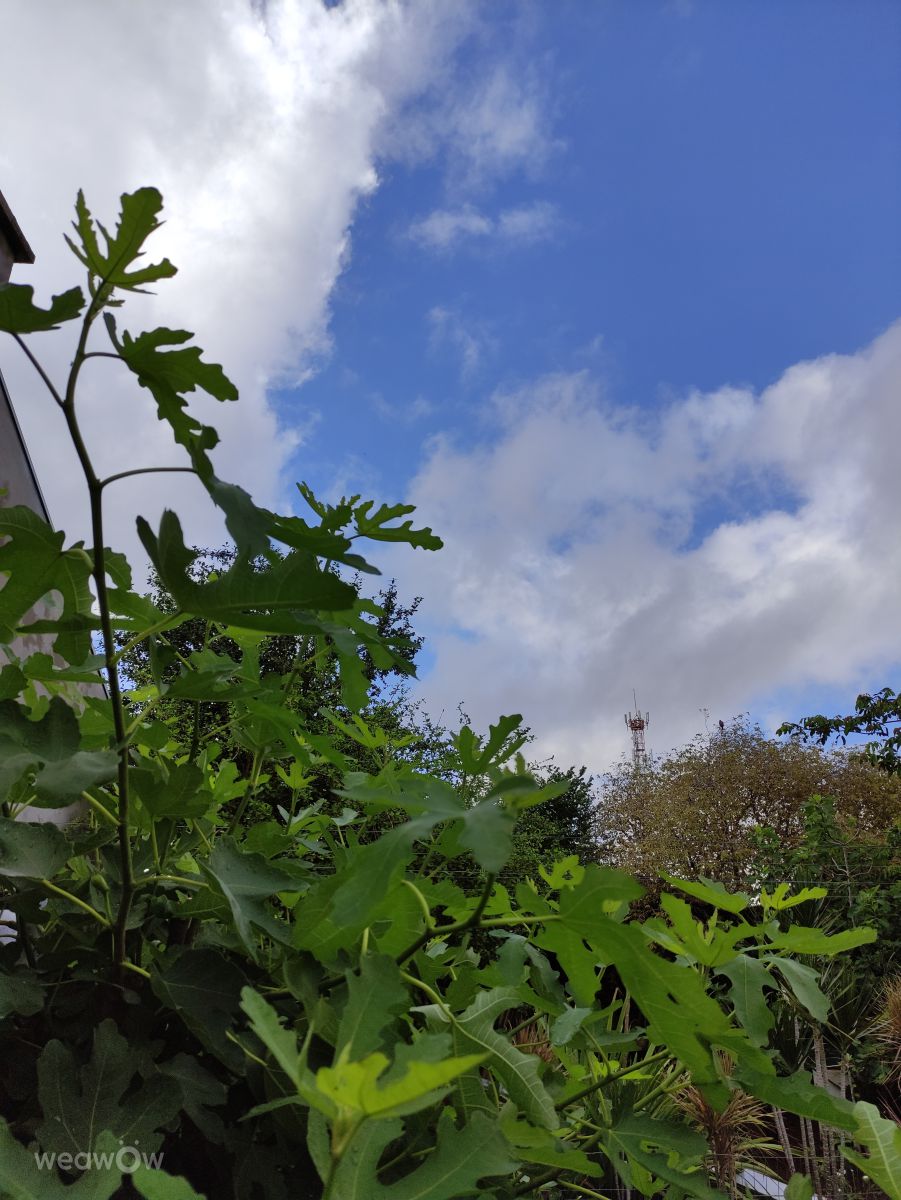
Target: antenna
637,723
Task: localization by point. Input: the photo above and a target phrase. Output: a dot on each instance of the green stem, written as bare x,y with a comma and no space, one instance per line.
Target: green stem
582,1190
40,370
255,771
100,809
179,879
95,494
158,627
130,966
144,470
602,1083
422,902
82,904
441,931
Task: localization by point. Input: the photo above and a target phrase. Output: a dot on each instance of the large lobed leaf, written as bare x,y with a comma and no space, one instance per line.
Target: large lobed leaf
36,565
463,1157
80,1102
51,747
19,313
109,264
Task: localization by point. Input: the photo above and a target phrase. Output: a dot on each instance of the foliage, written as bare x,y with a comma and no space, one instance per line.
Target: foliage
694,812
877,717
309,1006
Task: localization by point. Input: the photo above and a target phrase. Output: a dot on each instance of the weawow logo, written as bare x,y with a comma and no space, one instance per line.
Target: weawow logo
126,1160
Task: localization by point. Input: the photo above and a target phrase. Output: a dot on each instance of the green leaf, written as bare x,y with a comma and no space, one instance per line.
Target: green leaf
780,900
37,564
182,794
504,739
203,988
22,1179
473,1033
749,978
804,983
370,873
21,993
799,1188
51,746
169,375
80,1102
634,1134
796,1094
276,599
374,525
883,1139
710,892
157,1185
541,1146
31,851
462,1158
19,313
247,881
601,890
801,940
355,1086
580,965
375,997
201,1092
266,1024
680,1013
568,1024
138,218
12,681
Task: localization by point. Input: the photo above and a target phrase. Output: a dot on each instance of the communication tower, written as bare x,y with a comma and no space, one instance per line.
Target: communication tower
637,723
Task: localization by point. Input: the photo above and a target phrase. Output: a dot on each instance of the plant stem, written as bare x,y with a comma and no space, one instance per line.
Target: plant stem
130,966
582,1190
179,879
82,904
602,1083
95,494
100,809
40,370
457,926
255,771
144,470
156,628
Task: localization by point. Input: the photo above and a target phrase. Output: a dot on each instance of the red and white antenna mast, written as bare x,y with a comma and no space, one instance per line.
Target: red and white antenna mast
637,723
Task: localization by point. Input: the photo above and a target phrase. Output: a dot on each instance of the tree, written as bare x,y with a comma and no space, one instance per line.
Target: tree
877,716
694,812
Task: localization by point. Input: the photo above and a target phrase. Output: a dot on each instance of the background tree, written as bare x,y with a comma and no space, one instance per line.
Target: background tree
694,812
877,717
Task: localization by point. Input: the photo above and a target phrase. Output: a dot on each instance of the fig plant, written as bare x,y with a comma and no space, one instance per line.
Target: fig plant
196,1006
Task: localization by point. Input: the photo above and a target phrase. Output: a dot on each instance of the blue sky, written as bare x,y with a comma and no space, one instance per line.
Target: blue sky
725,183
610,289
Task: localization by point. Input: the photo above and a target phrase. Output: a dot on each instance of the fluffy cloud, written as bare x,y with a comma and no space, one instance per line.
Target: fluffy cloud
732,547
262,126
469,342
445,228
490,123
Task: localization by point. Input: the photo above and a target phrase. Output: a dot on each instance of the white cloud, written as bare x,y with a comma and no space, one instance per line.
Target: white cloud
500,127
403,412
494,122
523,225
263,132
582,559
469,341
